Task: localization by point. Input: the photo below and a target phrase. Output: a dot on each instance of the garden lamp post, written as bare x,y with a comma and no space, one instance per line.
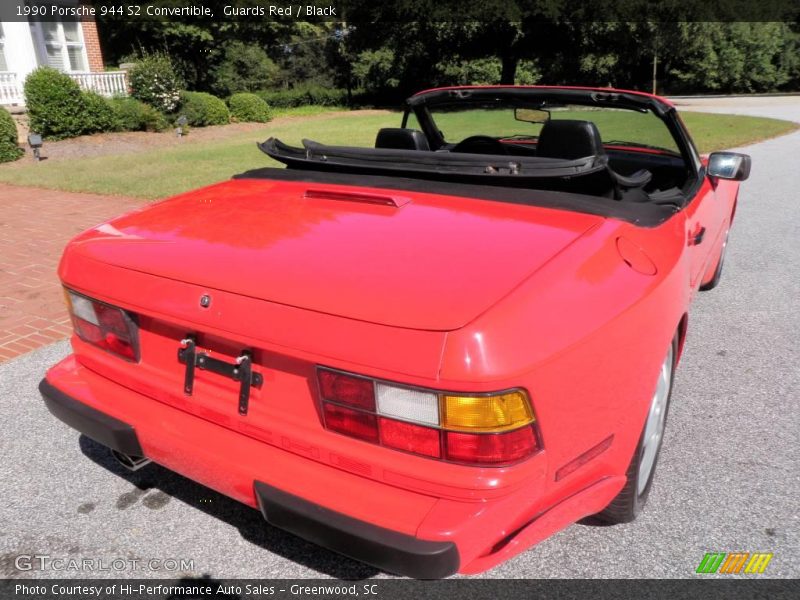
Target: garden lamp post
181,122
35,142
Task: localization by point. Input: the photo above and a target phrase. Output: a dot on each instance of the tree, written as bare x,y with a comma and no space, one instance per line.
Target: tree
736,57
374,69
304,58
196,46
244,68
396,48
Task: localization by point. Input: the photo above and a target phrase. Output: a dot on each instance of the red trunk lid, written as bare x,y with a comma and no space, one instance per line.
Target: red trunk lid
427,262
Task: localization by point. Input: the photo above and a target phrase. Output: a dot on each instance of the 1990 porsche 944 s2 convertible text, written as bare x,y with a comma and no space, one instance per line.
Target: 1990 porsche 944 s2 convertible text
428,355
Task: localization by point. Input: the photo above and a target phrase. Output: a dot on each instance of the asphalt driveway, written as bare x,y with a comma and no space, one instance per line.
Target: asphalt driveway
728,478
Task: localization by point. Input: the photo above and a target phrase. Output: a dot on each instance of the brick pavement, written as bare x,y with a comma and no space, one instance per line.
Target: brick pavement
35,224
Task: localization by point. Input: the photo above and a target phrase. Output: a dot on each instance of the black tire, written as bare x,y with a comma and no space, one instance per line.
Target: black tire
629,502
714,282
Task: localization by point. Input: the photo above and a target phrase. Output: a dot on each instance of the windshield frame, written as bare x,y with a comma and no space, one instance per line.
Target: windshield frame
650,128
420,103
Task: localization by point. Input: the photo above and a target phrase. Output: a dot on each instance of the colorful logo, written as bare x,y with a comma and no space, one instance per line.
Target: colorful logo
734,562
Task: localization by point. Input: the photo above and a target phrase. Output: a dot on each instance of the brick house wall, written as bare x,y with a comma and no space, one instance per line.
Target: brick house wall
91,40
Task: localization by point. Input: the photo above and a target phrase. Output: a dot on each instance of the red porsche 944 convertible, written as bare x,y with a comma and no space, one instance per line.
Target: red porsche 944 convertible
428,355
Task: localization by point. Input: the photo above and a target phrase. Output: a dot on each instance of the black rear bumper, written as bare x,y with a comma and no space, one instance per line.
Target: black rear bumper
91,422
383,548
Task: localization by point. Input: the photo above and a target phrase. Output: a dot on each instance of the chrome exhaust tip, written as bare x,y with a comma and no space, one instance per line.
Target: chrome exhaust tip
130,462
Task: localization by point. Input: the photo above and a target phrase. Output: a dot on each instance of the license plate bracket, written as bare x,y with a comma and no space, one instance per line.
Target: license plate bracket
240,370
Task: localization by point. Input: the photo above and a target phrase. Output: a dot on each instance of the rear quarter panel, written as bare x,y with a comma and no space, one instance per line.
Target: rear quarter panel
586,336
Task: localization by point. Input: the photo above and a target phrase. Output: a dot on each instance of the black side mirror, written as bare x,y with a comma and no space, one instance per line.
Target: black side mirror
729,165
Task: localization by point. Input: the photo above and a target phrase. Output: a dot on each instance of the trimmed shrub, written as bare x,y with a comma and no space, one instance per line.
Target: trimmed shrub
152,119
128,112
9,150
134,115
56,106
202,109
244,68
99,115
249,108
154,81
304,96
58,109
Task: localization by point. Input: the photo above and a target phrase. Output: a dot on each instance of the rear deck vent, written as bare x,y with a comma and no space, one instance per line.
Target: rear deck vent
395,201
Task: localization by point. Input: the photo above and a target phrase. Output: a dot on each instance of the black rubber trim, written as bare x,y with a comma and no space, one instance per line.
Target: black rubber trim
383,548
91,422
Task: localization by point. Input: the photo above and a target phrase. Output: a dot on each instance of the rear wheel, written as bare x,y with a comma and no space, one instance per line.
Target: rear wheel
632,498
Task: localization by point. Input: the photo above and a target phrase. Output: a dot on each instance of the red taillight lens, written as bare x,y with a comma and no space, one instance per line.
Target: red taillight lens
88,332
490,448
351,422
410,437
111,319
485,429
104,326
346,389
119,346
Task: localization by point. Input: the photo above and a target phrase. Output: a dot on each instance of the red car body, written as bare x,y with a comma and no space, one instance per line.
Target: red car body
434,291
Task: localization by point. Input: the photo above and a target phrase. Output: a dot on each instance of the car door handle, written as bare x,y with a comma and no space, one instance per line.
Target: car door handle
696,237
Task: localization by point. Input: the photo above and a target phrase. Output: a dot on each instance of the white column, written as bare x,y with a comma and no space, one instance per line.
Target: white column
19,48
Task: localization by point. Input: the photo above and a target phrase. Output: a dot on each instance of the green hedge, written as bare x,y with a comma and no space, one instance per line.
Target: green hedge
202,109
9,150
100,116
133,115
249,108
58,109
304,96
56,106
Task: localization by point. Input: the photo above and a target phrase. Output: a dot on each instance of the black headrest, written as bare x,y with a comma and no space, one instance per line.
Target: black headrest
398,138
569,139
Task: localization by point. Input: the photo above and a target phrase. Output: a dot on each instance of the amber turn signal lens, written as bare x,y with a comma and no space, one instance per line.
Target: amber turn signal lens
486,413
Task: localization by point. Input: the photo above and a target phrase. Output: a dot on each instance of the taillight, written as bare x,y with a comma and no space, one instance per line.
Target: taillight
104,326
352,391
492,449
474,429
411,438
351,422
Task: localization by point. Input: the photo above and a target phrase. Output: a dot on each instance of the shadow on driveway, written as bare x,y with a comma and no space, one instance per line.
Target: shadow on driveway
248,521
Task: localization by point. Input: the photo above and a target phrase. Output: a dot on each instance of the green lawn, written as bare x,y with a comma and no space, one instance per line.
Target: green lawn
710,131
304,111
160,173
614,125
163,172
